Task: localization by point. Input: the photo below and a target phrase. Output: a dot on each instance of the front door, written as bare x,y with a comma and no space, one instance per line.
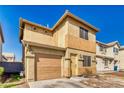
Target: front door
73,65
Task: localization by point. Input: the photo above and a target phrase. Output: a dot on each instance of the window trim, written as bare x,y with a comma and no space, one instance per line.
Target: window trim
84,33
87,61
115,50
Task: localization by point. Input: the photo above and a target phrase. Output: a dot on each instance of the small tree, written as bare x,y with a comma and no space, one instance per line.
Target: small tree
1,72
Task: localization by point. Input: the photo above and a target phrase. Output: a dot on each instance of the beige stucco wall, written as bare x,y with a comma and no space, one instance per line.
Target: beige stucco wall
121,57
68,27
98,52
38,36
74,29
80,69
60,33
111,54
73,39
100,66
108,54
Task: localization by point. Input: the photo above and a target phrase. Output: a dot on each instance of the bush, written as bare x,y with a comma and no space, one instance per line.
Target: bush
15,77
1,71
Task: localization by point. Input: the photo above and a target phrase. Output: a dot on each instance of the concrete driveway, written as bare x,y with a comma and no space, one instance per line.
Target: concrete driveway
96,81
57,83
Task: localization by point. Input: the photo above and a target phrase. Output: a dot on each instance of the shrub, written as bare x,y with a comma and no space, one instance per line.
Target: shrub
1,71
15,77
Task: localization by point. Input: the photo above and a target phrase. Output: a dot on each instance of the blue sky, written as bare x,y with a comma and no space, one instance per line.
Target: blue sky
109,19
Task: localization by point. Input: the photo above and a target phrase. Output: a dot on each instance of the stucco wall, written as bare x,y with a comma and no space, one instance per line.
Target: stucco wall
60,33
73,39
121,57
79,64
108,53
74,29
38,36
98,52
100,66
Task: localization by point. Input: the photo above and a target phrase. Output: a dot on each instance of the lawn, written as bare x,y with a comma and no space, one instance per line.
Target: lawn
11,81
7,85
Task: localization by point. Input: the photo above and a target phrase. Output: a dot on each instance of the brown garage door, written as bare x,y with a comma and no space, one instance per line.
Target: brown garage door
48,66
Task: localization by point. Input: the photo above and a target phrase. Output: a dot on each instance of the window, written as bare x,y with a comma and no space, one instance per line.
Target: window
83,33
115,50
31,28
87,61
106,63
103,49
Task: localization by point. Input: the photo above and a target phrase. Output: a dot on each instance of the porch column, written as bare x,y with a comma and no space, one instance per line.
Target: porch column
80,62
94,65
67,67
30,67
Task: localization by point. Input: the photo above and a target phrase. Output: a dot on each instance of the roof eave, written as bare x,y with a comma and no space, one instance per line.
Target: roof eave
42,45
76,18
1,34
20,28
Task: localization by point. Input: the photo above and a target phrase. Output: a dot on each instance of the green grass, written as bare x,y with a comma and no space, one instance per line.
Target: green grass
7,85
13,81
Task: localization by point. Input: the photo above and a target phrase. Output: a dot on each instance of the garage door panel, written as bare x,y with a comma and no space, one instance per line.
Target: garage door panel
46,70
48,66
45,77
49,63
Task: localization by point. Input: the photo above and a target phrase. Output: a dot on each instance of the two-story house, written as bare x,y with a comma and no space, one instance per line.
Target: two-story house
1,42
68,49
9,57
107,56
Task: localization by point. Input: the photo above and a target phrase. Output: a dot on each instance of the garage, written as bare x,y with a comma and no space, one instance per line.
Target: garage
48,66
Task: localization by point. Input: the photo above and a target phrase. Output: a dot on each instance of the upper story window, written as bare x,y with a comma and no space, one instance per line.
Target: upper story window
87,60
115,50
102,49
83,33
31,28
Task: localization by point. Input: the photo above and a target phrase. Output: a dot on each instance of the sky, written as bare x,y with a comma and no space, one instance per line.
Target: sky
109,19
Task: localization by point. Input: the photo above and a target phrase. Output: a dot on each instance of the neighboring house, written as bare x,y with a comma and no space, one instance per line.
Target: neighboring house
4,59
121,57
107,56
1,42
8,57
68,49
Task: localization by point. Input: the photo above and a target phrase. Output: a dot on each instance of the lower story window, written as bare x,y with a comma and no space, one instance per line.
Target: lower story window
87,61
